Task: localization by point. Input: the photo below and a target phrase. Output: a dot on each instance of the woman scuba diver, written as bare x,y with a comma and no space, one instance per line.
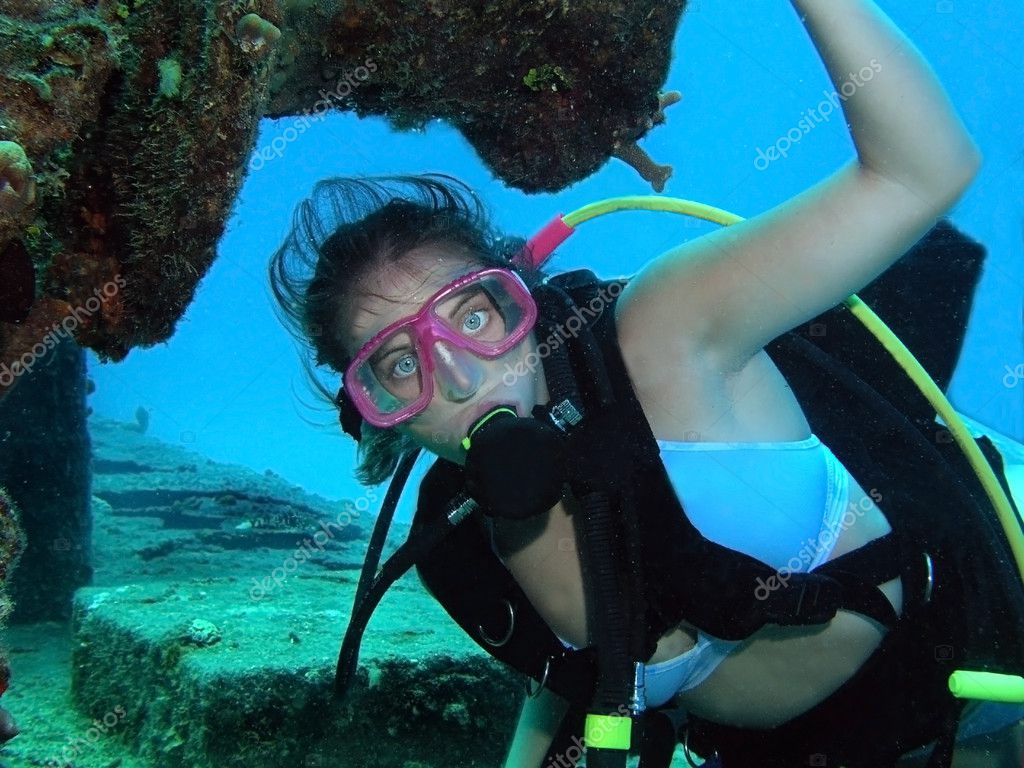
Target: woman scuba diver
449,339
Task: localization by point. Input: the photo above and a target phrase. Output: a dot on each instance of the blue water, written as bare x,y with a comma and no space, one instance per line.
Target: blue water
228,384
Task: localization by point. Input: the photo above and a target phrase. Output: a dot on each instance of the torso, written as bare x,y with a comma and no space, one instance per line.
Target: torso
765,681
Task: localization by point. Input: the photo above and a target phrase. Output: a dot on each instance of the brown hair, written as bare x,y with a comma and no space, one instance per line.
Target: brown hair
346,229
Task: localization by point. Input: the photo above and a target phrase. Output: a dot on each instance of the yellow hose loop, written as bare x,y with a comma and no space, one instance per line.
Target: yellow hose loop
904,358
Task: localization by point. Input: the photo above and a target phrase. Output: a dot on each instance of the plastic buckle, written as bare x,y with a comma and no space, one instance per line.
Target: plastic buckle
564,415
813,599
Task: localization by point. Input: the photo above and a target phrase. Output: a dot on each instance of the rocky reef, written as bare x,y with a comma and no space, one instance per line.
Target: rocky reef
124,129
45,467
127,126
545,90
12,544
210,634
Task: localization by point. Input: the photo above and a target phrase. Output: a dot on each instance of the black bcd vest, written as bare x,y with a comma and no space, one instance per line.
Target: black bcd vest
863,406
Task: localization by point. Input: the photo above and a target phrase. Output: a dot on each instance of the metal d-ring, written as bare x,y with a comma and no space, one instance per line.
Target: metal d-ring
686,749
543,680
508,634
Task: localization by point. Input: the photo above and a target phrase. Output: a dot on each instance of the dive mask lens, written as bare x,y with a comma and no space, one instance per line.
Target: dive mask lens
485,313
387,386
487,316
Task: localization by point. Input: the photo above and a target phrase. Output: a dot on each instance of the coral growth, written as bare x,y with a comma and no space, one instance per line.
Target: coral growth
134,127
256,35
544,90
650,171
632,154
12,544
126,125
202,633
17,187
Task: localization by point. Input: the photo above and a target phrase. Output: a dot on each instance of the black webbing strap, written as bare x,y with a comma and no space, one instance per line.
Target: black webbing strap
861,571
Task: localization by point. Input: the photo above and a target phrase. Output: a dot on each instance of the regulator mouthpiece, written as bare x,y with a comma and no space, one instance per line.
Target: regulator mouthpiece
515,467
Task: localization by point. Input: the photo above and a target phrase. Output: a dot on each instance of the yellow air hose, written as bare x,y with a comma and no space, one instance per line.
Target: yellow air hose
888,339
962,683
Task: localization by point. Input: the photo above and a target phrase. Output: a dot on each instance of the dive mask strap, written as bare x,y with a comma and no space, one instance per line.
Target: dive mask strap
348,415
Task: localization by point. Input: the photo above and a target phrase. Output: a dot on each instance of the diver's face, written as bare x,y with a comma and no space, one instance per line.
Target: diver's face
464,385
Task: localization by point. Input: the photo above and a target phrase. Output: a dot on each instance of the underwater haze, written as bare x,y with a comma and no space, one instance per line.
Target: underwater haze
228,384
191,571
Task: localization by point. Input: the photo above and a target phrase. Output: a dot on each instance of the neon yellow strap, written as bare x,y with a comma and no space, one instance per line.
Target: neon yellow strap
988,686
607,731
889,340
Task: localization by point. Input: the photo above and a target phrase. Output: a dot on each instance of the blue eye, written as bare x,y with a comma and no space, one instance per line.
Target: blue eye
475,321
405,367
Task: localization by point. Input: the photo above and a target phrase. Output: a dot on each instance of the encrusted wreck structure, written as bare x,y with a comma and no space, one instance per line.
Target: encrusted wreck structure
126,127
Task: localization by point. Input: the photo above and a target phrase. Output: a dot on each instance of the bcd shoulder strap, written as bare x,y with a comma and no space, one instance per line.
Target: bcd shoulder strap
478,592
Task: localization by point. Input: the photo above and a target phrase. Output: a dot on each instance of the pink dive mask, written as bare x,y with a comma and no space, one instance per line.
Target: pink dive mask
480,315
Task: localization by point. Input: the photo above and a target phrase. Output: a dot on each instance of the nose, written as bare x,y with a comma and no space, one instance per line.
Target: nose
459,374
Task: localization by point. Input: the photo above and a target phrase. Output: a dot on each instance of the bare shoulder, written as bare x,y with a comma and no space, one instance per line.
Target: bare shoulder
645,322
690,393
678,382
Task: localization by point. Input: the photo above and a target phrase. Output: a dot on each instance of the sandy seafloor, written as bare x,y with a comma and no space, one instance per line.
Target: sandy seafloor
150,545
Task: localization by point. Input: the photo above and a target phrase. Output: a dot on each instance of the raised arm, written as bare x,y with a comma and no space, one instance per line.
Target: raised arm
729,293
900,118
